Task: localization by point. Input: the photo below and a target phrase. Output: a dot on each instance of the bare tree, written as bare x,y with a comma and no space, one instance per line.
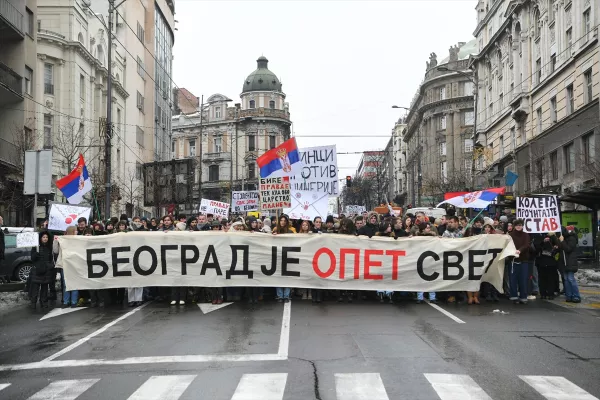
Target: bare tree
132,191
434,185
71,139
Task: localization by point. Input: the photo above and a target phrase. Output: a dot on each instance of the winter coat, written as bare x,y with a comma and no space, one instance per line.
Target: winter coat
43,264
2,245
369,230
545,251
522,243
567,261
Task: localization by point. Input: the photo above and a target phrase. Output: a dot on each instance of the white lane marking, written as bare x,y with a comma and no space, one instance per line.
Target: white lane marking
446,313
556,388
93,334
456,387
61,311
4,385
284,339
207,307
260,386
166,387
359,387
64,390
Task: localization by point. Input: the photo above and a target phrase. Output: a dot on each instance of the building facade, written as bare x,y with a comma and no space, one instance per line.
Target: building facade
225,141
399,173
538,77
18,77
439,129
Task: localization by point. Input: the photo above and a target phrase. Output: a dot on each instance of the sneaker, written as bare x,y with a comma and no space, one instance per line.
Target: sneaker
181,302
531,297
434,301
286,300
576,300
219,301
279,300
173,302
451,299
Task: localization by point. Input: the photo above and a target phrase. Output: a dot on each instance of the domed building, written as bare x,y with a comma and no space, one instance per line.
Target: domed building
232,137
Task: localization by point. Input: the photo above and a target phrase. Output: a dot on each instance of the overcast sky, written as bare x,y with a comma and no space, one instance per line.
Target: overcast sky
343,64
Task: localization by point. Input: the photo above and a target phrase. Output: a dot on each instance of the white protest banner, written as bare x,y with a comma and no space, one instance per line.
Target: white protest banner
65,215
539,214
221,259
355,210
307,205
274,193
244,201
320,172
28,239
214,207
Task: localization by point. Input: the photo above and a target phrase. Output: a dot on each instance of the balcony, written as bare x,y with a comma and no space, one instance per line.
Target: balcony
8,153
11,21
265,112
51,33
215,157
11,85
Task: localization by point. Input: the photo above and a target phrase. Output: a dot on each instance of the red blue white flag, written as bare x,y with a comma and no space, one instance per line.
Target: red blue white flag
283,160
75,185
480,199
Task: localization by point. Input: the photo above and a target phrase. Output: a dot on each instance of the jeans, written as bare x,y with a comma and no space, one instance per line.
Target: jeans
387,293
519,275
571,288
420,296
71,296
535,287
283,293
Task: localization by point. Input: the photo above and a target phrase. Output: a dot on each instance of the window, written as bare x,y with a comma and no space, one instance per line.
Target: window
538,71
173,148
467,88
442,91
213,173
140,32
587,78
536,23
192,144
218,145
138,170
588,145
443,170
468,117
468,145
81,86
553,109
140,68
538,113
28,80
569,42
272,104
272,141
443,149
251,142
528,177
570,100
501,146
140,102
554,164
513,139
217,112
251,171
569,153
29,22
48,78
119,120
501,101
553,63
252,104
587,27
442,123
47,131
468,166
80,38
139,137
551,14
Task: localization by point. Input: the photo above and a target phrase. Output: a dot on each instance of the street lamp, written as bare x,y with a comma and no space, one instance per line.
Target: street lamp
404,108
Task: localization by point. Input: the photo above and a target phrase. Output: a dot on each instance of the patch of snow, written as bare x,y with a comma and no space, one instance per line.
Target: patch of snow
588,277
9,300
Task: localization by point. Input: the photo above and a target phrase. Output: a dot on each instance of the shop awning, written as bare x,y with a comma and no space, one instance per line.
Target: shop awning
589,197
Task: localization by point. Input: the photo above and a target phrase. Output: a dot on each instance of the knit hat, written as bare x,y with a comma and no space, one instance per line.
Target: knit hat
267,222
180,226
488,221
503,218
329,219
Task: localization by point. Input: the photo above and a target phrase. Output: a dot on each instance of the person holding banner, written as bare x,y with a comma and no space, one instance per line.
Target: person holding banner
567,263
283,294
519,269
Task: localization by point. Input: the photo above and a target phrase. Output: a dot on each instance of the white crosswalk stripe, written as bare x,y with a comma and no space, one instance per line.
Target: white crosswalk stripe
456,387
166,387
260,386
64,390
557,388
360,387
4,385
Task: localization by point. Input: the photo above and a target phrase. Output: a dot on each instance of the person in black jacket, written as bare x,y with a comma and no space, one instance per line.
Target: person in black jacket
2,244
546,247
43,266
567,263
371,226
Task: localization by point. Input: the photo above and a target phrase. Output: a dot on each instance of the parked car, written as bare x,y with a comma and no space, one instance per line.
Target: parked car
17,261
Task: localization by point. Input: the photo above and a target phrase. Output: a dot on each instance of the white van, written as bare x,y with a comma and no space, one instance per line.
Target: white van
12,229
429,211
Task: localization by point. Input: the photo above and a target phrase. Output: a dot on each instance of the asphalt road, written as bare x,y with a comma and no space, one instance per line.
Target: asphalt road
358,351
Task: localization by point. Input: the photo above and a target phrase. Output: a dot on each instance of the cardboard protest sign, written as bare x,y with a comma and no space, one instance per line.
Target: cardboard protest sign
355,210
244,201
275,193
319,173
27,239
307,205
215,208
539,214
65,215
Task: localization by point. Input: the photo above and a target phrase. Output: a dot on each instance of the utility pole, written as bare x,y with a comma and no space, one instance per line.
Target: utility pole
200,154
108,138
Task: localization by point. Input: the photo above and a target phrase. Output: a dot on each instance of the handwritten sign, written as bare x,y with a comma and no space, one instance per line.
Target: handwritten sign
275,193
214,207
320,171
245,201
27,239
65,215
539,214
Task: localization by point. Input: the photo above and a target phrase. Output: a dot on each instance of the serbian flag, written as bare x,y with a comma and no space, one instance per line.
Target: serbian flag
480,199
76,184
283,160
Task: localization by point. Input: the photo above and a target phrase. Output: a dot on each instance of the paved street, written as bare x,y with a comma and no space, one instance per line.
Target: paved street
303,351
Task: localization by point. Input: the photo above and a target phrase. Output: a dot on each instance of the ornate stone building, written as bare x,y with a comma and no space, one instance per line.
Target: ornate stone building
538,90
439,129
233,137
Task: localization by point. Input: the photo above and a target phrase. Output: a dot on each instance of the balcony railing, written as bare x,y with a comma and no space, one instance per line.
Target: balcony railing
264,112
11,79
48,88
12,15
50,33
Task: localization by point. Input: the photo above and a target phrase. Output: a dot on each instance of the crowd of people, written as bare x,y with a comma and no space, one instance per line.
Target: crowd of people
542,262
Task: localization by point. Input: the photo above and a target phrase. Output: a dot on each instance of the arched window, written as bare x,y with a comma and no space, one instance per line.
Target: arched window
80,38
252,104
518,37
272,104
536,23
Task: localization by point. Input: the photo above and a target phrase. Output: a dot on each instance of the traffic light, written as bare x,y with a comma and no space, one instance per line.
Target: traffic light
348,181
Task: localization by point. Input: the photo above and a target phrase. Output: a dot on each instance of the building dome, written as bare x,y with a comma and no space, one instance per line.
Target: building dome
464,51
261,79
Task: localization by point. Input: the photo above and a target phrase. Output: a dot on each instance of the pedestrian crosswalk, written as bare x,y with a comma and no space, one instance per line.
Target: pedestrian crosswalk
272,386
